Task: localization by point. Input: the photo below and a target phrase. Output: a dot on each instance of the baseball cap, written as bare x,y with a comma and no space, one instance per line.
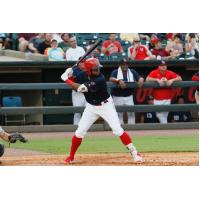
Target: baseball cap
154,40
162,63
123,60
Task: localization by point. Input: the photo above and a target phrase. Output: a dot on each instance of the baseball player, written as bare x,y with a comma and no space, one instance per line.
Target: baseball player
11,138
123,95
179,116
78,98
149,117
99,104
162,96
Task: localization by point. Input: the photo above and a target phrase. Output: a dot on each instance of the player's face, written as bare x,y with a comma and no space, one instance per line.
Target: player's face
163,68
95,71
124,67
82,66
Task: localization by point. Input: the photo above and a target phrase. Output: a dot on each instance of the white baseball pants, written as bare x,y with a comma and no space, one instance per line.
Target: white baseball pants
91,113
120,101
78,99
162,116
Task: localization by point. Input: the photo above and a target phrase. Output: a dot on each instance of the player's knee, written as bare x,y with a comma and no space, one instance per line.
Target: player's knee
80,134
118,132
1,150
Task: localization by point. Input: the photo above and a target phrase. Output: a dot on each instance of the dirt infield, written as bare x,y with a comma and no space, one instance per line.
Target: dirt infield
109,159
22,157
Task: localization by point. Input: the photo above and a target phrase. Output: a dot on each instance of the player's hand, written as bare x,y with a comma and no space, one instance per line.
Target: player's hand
140,82
67,74
161,82
122,84
169,82
13,138
82,88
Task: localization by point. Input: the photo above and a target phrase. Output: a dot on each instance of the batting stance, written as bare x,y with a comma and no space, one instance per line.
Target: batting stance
11,138
99,104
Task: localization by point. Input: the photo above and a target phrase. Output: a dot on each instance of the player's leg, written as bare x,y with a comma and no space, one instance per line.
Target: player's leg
131,115
77,100
162,116
109,114
118,101
88,118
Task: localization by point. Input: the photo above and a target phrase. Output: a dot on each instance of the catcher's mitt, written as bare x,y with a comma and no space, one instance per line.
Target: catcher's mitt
16,137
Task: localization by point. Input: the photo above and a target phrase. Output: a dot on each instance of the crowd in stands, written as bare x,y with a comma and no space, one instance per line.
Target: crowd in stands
70,46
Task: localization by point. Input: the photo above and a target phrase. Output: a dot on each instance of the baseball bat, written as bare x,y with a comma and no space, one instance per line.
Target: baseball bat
90,50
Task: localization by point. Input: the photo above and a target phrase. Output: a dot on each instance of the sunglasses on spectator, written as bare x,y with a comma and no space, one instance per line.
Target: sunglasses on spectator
137,41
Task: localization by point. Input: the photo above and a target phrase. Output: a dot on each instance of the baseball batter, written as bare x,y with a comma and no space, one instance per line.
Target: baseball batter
99,104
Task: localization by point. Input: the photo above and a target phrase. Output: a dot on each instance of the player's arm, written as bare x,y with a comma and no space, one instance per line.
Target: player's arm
3,135
113,77
66,78
151,78
115,80
176,78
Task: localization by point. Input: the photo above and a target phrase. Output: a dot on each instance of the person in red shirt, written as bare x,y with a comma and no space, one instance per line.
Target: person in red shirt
138,51
111,46
23,39
163,96
158,50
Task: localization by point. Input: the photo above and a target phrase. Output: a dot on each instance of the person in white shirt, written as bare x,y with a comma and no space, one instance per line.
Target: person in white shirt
74,52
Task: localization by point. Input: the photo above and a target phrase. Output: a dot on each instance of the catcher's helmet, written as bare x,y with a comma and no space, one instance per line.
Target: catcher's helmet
1,150
90,63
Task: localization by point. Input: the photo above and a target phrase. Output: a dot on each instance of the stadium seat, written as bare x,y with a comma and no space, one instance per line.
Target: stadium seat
13,101
115,57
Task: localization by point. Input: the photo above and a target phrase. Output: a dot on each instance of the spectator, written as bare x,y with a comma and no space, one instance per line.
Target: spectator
111,46
162,96
78,99
55,53
65,44
138,51
127,36
5,40
23,40
175,47
195,77
191,46
179,116
74,52
124,95
149,117
35,41
158,50
45,44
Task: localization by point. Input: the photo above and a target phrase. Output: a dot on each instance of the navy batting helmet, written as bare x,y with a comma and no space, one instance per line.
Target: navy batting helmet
1,150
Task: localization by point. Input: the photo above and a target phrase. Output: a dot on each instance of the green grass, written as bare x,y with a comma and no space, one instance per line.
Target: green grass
102,144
